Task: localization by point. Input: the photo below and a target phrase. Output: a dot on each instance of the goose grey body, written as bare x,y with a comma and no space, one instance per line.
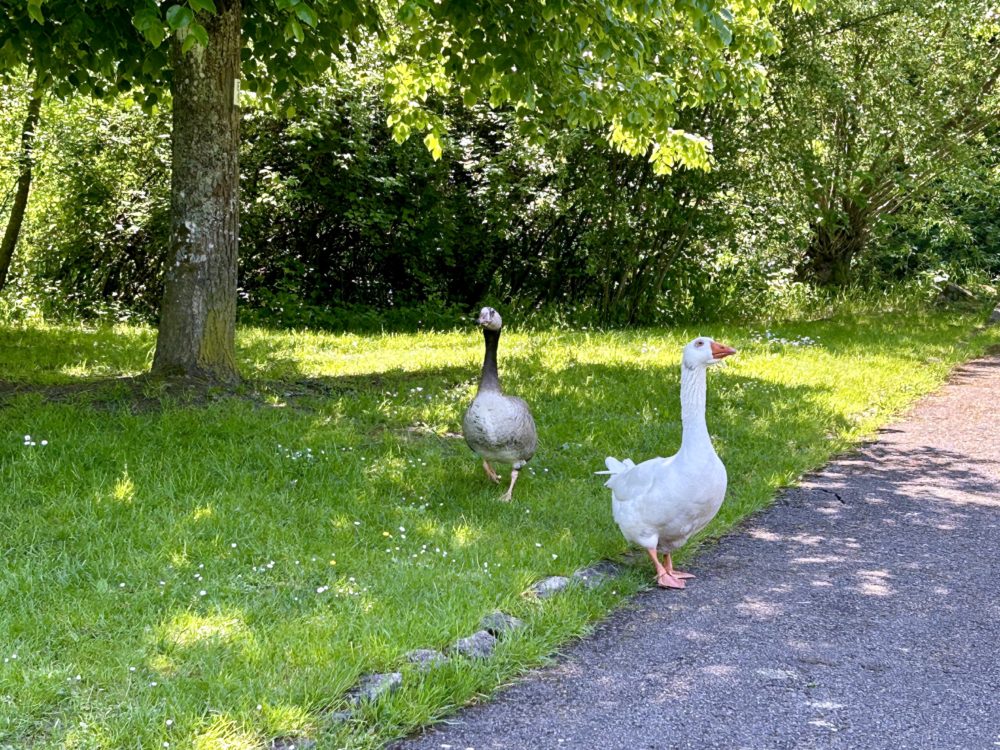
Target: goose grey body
500,428
496,426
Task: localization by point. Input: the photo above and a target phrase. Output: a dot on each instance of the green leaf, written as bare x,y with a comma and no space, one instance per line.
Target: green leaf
433,145
724,32
35,11
294,29
155,61
179,17
200,34
203,5
307,15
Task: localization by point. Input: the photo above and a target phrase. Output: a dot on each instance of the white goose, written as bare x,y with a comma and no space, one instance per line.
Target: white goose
661,502
496,426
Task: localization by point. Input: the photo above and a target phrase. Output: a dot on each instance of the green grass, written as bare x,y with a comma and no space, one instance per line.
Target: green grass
215,572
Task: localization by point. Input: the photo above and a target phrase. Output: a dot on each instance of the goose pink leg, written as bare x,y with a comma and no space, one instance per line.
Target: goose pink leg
664,578
673,571
489,471
510,490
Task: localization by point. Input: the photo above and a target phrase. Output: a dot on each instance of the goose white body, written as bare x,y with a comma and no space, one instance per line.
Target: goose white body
661,503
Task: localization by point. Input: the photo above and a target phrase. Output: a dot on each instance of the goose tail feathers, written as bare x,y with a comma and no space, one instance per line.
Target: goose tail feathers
616,467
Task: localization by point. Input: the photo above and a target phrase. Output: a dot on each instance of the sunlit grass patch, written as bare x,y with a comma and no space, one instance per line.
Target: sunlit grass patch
218,574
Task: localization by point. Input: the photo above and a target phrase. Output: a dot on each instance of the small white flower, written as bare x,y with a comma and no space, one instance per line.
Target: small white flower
202,592
169,722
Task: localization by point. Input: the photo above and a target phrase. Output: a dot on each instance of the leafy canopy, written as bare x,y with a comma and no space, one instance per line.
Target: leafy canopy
624,67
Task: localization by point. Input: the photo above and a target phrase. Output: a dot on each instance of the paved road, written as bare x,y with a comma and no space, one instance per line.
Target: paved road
860,611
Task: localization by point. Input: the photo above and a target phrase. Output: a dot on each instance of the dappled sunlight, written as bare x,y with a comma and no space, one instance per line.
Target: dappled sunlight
124,489
720,670
190,629
224,733
464,535
334,534
819,560
202,513
759,608
874,583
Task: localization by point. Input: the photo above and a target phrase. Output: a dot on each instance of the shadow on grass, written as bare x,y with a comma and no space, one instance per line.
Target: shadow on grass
765,431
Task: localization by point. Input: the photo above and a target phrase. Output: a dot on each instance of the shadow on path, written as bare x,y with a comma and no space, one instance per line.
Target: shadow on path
861,611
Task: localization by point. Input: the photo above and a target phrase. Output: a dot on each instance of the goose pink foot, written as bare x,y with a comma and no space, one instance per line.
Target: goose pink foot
489,471
671,570
664,578
667,581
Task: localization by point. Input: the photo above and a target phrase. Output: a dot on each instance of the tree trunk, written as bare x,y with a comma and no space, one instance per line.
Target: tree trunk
198,312
20,205
835,243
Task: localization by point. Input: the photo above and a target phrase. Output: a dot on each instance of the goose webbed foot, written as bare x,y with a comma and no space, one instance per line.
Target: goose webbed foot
666,581
664,578
671,570
489,471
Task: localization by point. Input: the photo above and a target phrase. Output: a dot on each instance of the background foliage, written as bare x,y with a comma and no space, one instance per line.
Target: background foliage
871,161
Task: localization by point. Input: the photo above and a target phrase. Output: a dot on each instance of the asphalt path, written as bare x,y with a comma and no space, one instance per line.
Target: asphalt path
862,610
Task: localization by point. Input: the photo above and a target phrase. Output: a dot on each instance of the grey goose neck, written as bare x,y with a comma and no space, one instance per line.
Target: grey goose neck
489,380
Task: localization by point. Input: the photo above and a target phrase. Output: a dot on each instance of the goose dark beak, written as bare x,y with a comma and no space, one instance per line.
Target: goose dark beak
721,351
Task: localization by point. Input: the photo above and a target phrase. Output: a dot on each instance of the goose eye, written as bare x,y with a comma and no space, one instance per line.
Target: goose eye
699,343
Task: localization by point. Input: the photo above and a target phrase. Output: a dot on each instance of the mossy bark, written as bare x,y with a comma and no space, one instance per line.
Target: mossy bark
198,311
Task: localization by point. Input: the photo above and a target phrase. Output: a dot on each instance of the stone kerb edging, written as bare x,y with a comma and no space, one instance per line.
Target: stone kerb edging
479,645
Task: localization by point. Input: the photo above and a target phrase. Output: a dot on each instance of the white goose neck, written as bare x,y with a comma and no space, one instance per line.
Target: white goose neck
694,435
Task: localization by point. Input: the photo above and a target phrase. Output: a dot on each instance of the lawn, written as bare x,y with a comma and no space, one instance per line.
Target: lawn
217,570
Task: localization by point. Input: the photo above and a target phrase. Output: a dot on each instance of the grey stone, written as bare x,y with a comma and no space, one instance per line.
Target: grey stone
500,623
995,315
479,645
426,658
952,293
292,743
549,586
598,573
372,686
338,717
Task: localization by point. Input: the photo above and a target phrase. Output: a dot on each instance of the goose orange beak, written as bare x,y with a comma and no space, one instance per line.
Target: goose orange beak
721,351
